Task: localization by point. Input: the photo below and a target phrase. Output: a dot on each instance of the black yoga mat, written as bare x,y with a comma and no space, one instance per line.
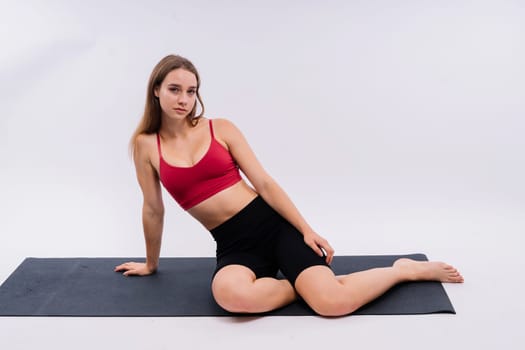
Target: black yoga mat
181,287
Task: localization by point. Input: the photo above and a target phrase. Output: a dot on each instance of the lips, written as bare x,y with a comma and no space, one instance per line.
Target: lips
180,110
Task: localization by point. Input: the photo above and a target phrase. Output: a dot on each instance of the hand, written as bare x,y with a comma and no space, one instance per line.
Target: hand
135,269
319,244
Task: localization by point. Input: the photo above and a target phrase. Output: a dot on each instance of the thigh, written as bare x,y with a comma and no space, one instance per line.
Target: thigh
293,255
236,289
323,292
317,281
230,276
229,281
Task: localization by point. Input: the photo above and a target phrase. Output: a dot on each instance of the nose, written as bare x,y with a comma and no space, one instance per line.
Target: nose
183,99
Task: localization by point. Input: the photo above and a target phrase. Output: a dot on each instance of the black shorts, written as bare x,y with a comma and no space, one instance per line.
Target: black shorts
262,240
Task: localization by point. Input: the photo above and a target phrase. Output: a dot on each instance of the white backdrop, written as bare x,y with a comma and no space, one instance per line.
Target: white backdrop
395,126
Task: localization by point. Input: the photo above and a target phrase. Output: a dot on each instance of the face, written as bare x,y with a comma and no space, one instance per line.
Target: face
177,94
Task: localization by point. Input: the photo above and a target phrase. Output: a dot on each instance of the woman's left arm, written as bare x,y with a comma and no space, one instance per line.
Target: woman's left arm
267,187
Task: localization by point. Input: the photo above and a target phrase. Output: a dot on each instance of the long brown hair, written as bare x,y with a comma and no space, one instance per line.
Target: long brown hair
151,119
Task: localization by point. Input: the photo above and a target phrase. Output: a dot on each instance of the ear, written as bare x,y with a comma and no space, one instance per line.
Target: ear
156,92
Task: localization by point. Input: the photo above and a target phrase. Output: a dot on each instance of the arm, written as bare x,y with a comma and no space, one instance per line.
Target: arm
268,188
152,212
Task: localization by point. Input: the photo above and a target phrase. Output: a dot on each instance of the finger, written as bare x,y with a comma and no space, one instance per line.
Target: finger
316,248
325,254
130,272
120,268
125,266
330,254
330,257
328,251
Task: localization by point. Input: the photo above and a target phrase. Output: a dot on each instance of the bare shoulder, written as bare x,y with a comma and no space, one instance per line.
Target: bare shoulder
145,147
225,129
223,123
146,141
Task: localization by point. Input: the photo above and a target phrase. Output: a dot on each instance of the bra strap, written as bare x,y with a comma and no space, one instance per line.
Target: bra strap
211,130
158,145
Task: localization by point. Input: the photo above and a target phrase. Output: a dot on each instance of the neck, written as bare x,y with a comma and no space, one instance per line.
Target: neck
175,128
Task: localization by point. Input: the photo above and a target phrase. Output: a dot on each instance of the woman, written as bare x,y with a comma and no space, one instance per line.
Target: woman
258,230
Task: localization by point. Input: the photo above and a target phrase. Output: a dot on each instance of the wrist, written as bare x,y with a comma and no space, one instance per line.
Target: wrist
307,230
152,267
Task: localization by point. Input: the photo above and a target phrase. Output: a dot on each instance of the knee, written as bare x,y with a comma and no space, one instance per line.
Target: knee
333,304
234,298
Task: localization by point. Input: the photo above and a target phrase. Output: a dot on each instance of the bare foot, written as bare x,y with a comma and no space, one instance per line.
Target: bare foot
412,270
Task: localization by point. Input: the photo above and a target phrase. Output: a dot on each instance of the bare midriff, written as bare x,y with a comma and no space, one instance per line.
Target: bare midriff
223,205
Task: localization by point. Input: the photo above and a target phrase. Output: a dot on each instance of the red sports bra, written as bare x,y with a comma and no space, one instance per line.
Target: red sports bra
214,172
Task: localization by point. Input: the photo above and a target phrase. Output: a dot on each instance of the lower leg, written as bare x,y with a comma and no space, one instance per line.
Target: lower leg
365,286
362,287
331,295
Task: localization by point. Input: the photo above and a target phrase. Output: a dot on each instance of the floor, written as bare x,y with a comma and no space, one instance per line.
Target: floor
487,304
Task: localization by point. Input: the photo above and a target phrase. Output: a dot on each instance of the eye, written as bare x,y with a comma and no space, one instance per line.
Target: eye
174,89
191,92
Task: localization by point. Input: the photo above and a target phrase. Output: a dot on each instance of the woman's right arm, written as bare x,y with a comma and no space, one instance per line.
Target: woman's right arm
152,210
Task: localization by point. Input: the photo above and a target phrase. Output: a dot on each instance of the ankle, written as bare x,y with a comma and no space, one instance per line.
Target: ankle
405,269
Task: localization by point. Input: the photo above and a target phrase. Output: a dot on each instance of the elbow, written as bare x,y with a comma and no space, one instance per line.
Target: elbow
266,185
154,212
